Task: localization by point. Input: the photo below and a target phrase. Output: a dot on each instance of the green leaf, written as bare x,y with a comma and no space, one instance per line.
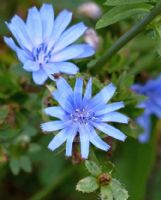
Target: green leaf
14,166
135,165
93,168
34,147
87,185
25,163
106,193
155,193
119,13
3,113
127,2
118,191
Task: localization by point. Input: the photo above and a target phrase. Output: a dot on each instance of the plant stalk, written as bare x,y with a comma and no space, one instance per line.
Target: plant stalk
124,39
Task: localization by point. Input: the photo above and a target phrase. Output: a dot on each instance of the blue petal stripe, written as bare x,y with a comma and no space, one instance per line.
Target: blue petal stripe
10,42
58,140
105,94
50,70
39,77
87,51
20,32
84,141
96,140
78,89
72,132
67,67
56,111
68,53
22,55
52,126
110,130
110,108
88,91
145,122
47,18
64,88
31,66
34,25
114,117
60,24
70,36
64,103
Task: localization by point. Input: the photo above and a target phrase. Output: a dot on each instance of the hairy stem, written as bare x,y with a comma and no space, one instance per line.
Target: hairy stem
124,39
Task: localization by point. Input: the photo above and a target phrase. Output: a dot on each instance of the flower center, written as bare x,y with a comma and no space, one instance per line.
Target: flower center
82,116
40,54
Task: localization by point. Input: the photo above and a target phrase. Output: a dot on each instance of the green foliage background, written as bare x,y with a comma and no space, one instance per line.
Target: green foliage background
28,170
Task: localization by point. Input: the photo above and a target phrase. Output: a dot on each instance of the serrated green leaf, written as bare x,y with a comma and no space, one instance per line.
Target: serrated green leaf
106,193
93,168
14,166
127,2
25,163
119,193
119,13
87,185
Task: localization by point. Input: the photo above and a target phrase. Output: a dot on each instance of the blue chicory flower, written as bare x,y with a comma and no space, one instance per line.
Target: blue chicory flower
81,115
151,106
44,46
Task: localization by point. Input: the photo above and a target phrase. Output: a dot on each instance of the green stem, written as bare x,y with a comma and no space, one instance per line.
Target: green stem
42,194
124,39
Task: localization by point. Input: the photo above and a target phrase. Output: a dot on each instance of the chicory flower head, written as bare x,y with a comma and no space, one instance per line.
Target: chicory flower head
151,106
44,46
80,115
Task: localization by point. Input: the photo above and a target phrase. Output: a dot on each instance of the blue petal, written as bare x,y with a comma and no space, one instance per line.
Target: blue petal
84,141
88,91
50,69
52,126
56,111
87,51
114,117
103,96
9,41
60,24
39,77
31,66
58,140
68,53
145,122
78,89
152,85
69,36
23,56
64,103
72,132
67,67
110,108
64,88
96,140
153,108
47,19
34,25
18,29
110,130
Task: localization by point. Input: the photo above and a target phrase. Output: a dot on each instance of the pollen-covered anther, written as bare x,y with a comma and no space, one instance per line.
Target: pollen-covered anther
82,116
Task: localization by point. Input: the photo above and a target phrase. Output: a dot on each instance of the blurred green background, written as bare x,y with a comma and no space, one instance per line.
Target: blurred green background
28,170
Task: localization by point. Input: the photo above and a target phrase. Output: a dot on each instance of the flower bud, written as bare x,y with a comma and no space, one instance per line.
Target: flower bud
92,38
90,9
